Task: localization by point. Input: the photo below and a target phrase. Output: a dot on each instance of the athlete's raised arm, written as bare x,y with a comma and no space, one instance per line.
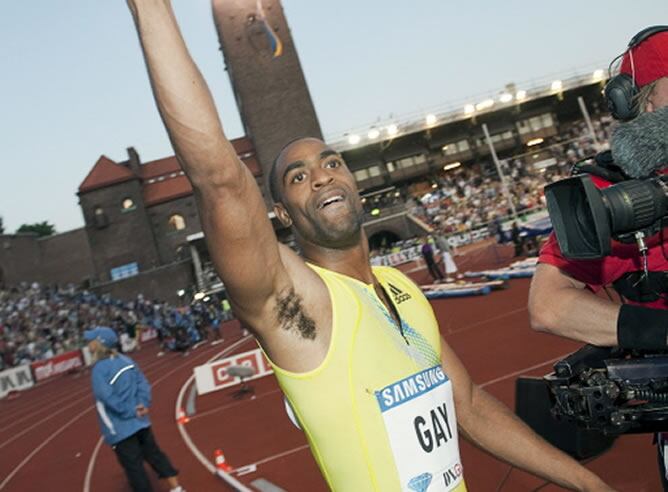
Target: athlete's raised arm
233,214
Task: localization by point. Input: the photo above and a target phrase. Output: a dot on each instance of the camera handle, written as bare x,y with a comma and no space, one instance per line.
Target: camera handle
642,248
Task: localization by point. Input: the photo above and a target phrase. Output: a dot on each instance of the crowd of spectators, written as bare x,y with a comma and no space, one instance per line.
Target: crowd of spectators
38,322
464,199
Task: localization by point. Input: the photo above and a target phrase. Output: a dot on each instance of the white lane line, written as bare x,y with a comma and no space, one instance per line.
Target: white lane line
186,437
48,397
230,405
39,448
43,408
522,371
194,449
52,436
91,465
486,321
40,422
48,417
278,455
93,458
41,404
57,403
245,470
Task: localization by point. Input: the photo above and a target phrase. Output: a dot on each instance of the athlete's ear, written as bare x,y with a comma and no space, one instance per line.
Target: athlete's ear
282,214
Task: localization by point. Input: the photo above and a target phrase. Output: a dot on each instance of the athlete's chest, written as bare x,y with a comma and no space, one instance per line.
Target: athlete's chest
401,329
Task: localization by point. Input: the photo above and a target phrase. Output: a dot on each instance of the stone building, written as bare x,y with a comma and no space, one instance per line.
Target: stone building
138,217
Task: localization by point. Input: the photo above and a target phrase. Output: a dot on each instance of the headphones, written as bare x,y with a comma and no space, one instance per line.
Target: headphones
621,90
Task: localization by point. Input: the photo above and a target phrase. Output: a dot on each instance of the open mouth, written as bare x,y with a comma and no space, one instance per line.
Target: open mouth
330,201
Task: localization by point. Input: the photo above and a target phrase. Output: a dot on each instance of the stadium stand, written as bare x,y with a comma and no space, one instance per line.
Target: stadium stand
38,322
464,199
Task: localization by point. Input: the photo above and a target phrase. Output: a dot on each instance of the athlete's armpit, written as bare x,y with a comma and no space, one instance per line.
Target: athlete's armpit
291,315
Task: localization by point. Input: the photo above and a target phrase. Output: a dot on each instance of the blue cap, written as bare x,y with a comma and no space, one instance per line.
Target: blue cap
106,336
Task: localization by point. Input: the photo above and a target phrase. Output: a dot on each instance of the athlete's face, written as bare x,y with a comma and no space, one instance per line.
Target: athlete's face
319,196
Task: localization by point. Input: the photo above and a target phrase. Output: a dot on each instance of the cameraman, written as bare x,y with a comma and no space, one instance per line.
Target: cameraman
563,299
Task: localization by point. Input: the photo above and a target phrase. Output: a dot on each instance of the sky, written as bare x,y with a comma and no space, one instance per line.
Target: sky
73,85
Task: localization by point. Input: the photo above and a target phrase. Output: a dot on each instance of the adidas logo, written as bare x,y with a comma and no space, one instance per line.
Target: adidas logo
399,295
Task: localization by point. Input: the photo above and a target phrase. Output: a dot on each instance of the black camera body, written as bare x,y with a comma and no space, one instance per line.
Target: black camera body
608,390
612,391
586,219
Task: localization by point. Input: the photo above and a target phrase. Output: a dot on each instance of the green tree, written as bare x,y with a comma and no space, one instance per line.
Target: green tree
2,226
42,229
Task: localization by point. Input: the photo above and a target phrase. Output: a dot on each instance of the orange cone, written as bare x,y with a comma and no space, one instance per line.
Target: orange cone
182,418
221,464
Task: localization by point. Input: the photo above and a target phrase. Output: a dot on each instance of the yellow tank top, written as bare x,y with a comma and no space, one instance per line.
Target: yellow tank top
378,412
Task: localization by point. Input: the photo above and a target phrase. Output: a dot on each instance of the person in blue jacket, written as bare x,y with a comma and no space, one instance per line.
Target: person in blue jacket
122,399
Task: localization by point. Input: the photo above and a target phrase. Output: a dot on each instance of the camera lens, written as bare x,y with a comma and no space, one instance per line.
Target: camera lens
634,205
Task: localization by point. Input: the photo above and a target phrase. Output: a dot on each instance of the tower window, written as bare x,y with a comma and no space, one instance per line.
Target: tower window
128,204
177,222
100,220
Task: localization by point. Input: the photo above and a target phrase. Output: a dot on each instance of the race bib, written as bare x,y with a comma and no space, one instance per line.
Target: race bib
419,416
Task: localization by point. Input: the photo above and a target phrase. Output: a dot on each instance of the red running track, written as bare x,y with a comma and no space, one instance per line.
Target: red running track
49,436
50,433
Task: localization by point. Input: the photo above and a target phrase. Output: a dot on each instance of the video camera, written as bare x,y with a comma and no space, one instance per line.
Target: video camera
585,219
612,391
605,390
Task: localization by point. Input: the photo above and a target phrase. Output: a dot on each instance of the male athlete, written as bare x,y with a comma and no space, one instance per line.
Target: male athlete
372,384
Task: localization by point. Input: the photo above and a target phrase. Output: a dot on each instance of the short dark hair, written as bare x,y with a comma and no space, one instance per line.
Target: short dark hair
273,186
274,189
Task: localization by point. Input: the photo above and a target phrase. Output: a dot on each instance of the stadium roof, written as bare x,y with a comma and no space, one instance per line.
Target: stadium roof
465,109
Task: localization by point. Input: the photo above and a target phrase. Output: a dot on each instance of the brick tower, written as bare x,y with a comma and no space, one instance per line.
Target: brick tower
267,78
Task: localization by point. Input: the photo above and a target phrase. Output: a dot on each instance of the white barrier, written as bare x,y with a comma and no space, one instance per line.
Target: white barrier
394,259
148,333
60,364
87,356
15,379
455,240
213,376
465,238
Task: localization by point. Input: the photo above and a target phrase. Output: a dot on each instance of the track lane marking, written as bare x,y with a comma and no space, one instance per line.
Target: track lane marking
186,437
522,371
39,448
277,456
91,465
231,405
47,418
62,428
67,397
485,321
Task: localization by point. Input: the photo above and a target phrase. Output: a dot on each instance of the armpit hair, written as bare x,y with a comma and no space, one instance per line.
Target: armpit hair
291,316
